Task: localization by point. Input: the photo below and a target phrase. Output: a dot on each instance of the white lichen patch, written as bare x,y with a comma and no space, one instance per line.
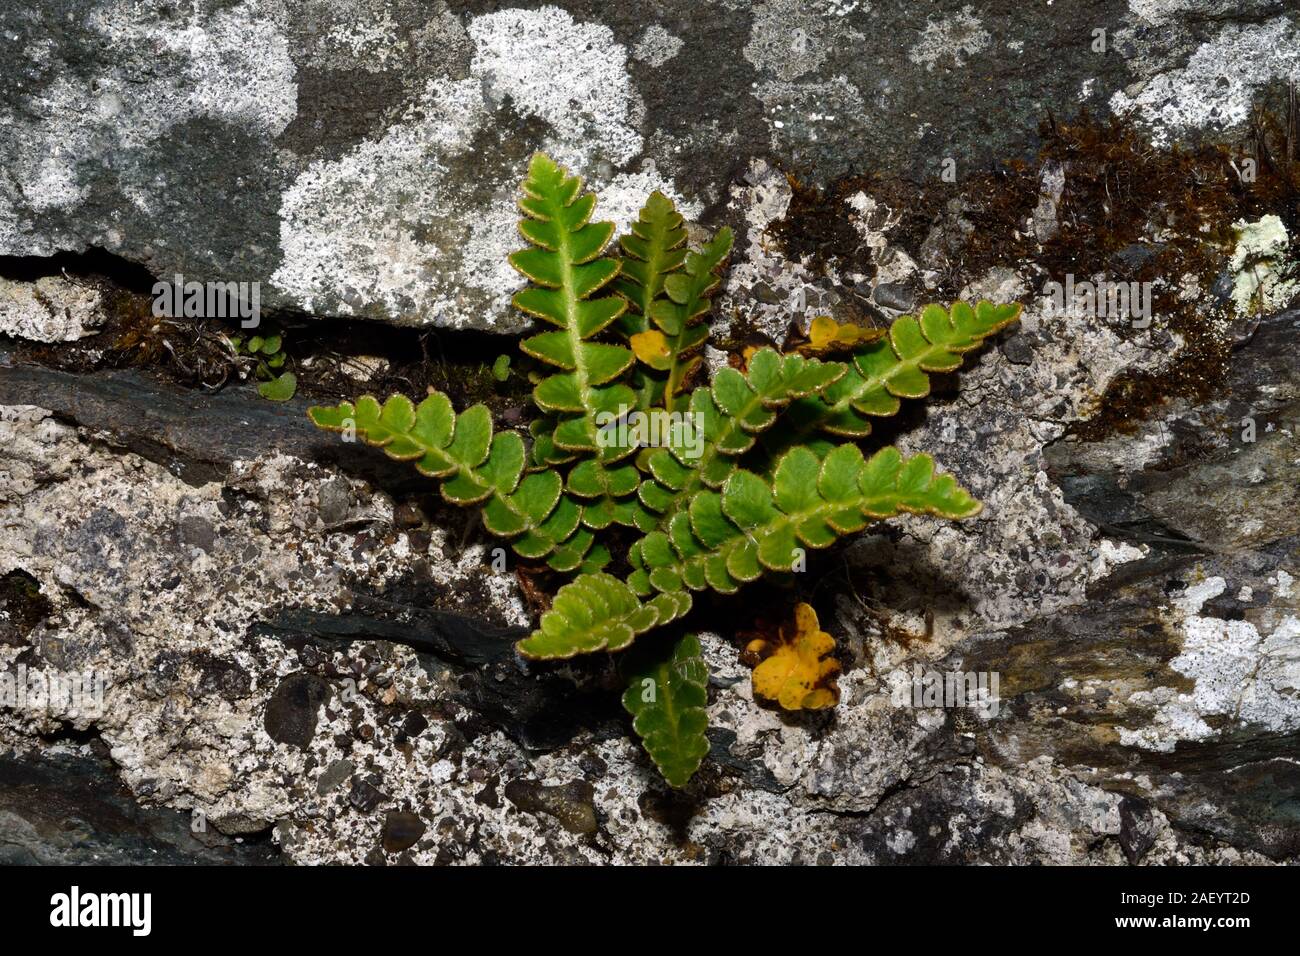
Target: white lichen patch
762,285
1217,85
231,65
380,230
51,309
788,38
623,196
1263,279
950,42
1284,583
236,67
1162,11
421,38
657,46
796,111
350,227
572,75
1239,674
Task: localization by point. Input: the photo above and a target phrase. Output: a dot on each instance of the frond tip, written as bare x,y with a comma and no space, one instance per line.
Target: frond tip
597,612
666,695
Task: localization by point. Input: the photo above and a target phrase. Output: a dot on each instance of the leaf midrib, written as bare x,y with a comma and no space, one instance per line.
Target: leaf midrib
474,474
564,250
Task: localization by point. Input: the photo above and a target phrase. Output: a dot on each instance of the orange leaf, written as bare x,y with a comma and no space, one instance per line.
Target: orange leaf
825,334
822,332
795,670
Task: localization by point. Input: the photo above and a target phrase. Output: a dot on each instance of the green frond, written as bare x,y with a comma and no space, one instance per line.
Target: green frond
472,464
731,413
896,366
679,314
667,693
724,539
654,248
667,303
566,269
597,612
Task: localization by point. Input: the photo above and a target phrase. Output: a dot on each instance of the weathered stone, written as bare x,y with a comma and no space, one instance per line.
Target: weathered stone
570,804
364,156
51,309
292,630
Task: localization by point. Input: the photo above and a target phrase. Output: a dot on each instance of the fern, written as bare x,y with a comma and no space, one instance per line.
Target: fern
666,695
731,413
473,465
667,303
598,612
566,268
679,313
896,366
655,247
723,540
774,467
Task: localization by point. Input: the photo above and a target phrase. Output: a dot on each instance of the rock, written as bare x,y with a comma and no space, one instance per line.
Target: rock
294,629
66,807
1049,197
316,129
22,607
196,532
402,830
335,501
365,796
1017,349
51,309
1137,830
894,296
570,804
335,774
291,713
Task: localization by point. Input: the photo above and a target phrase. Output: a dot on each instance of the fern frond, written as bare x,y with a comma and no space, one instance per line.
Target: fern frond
667,695
726,539
680,313
896,367
597,612
664,323
731,412
566,270
473,465
655,247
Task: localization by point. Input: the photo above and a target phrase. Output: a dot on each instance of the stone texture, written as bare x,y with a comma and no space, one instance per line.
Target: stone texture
304,650
360,158
51,309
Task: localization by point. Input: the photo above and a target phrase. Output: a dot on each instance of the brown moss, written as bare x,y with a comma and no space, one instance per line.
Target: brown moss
1128,211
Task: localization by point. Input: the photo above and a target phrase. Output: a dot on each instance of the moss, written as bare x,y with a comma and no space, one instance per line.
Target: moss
1129,212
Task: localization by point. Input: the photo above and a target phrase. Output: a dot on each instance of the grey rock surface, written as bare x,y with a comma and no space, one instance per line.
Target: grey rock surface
359,157
303,650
